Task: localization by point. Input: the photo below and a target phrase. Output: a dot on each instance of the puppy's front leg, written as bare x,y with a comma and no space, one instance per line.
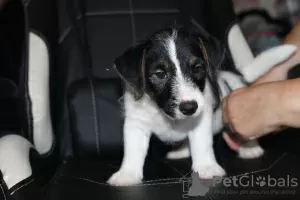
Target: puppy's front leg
136,143
201,143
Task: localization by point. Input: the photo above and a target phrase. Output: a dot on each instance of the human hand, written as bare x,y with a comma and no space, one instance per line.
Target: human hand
257,118
253,112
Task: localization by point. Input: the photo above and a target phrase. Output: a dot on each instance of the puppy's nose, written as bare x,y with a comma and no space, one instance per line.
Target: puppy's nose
188,107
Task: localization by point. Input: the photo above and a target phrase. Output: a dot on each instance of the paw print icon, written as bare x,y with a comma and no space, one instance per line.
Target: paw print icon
199,187
261,181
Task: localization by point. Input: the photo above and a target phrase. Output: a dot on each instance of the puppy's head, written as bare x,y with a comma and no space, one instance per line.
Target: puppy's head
172,67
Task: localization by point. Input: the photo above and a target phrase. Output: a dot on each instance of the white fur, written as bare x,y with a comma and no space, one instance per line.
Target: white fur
201,142
143,117
250,150
239,48
233,80
259,66
171,48
186,90
234,83
137,132
267,60
251,69
180,153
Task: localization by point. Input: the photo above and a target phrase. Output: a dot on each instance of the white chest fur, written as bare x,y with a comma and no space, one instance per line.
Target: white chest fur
146,114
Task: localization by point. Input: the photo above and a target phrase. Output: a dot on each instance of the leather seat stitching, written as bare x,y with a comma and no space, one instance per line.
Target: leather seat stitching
25,184
145,183
173,167
133,29
142,184
67,30
95,116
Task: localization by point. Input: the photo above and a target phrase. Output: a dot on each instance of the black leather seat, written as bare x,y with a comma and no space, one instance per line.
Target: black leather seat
71,154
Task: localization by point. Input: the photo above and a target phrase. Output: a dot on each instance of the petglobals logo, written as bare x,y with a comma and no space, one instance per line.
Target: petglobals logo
243,184
260,181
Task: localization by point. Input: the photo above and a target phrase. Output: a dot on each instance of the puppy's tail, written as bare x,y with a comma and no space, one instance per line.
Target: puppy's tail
265,61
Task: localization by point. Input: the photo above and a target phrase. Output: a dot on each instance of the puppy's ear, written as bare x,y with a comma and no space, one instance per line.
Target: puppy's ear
214,55
214,49
131,67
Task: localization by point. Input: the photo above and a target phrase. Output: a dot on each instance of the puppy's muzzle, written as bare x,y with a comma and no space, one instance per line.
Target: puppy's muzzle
188,107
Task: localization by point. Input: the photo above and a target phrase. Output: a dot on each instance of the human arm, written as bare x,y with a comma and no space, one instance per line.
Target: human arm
272,99
263,108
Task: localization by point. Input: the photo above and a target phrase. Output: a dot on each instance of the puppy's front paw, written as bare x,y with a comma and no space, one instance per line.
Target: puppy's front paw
250,152
210,171
124,178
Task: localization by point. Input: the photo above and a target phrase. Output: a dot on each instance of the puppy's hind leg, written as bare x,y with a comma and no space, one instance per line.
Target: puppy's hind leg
180,153
251,150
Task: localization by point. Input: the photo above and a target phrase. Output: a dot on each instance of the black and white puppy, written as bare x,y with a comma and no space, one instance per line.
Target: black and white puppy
172,82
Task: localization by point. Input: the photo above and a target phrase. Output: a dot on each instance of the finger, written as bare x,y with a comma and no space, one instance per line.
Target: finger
225,114
280,129
232,144
234,136
224,110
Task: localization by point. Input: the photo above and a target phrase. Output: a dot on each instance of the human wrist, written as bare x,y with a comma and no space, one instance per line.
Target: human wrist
283,68
273,101
289,108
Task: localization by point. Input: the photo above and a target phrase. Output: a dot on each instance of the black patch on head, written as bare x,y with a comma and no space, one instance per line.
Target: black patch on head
210,56
191,58
161,72
147,68
130,68
216,58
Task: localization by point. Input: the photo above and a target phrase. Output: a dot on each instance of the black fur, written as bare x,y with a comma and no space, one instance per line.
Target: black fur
152,57
129,68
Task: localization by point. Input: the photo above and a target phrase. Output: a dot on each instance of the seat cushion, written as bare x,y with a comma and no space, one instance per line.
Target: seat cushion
273,176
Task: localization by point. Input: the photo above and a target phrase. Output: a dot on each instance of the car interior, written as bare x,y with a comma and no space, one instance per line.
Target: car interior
61,117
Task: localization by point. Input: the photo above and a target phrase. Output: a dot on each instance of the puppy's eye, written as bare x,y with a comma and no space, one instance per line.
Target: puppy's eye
198,68
160,74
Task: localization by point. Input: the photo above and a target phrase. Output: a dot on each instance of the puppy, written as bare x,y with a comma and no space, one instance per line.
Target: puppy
171,90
